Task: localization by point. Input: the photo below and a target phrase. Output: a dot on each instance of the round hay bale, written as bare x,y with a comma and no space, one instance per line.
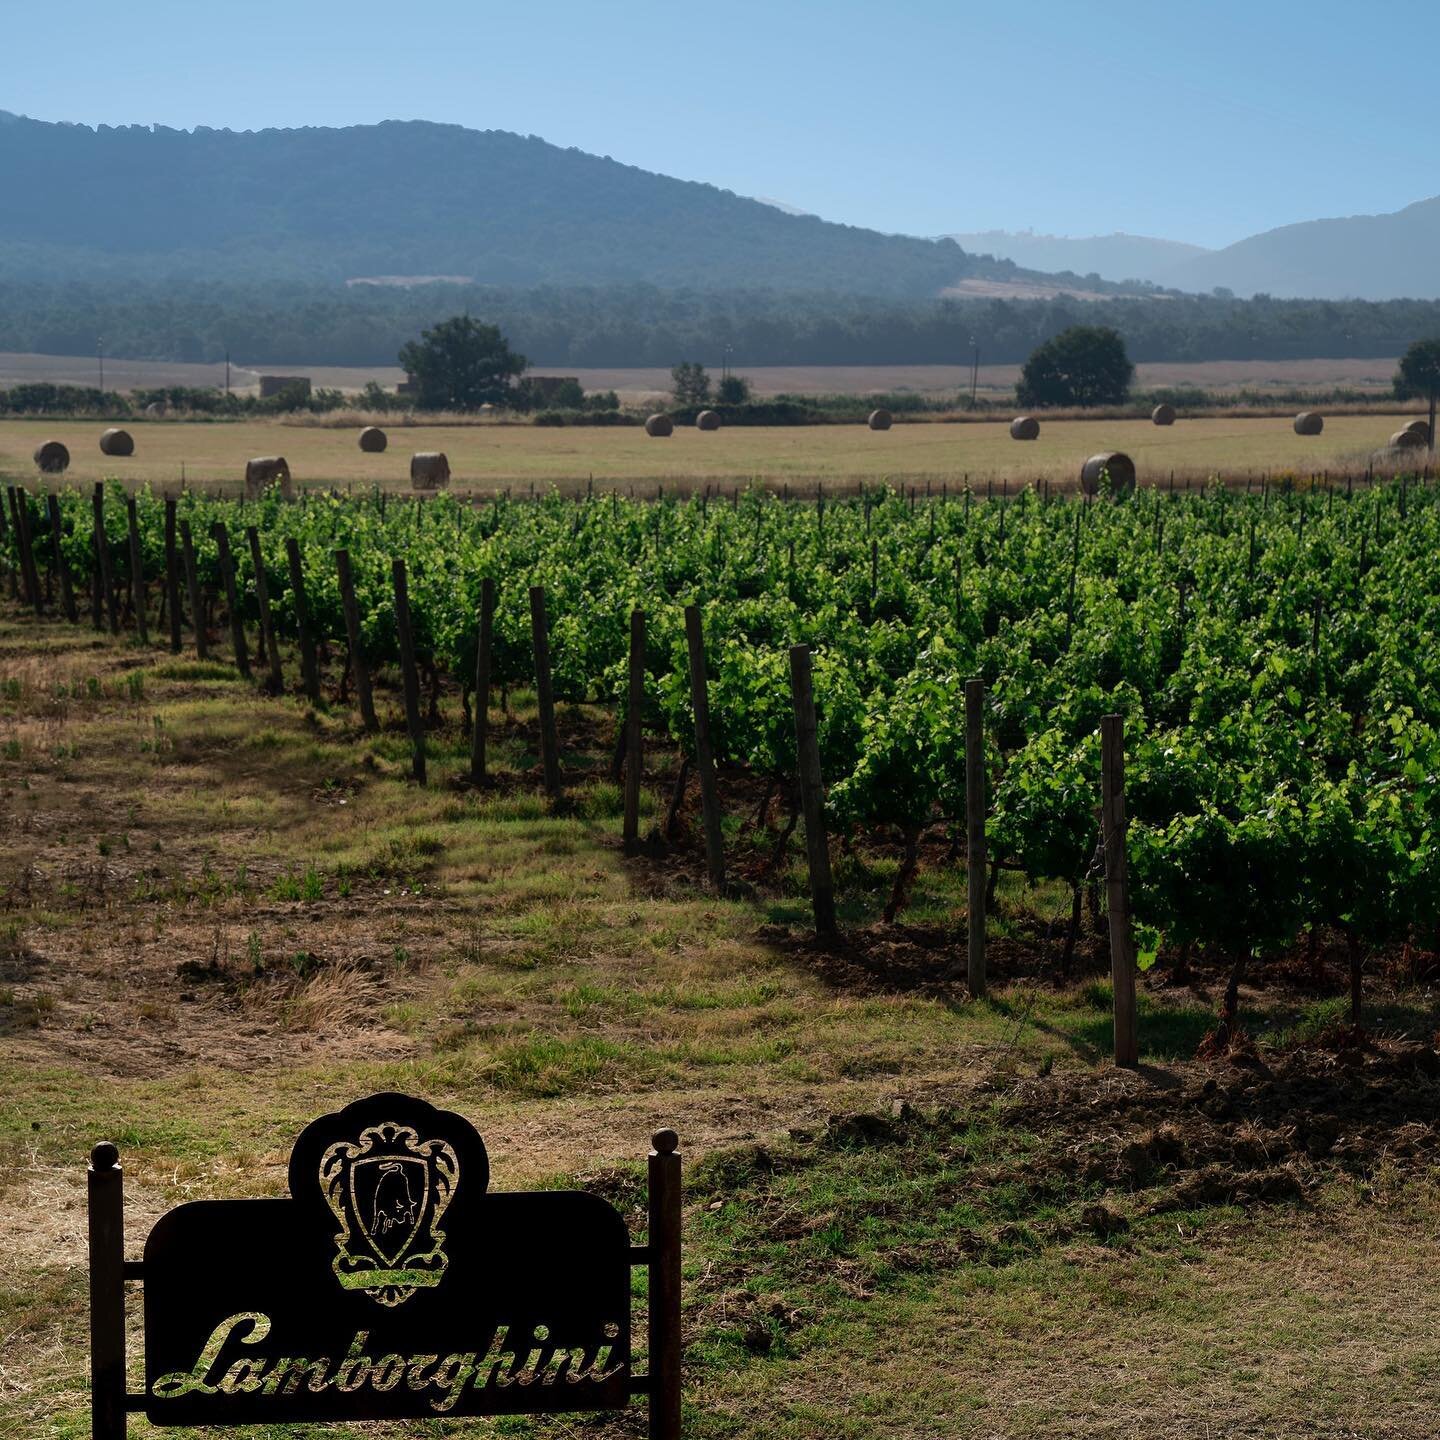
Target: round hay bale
1408,439
707,420
156,410
267,470
52,458
373,440
1163,415
1307,422
1112,469
117,442
659,426
1420,428
429,470
1024,427
880,420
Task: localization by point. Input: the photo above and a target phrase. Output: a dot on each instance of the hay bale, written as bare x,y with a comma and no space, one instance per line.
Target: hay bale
659,426
1420,428
880,420
429,470
1163,415
1024,427
52,458
117,442
707,420
263,472
373,440
1307,422
1111,468
156,410
1408,439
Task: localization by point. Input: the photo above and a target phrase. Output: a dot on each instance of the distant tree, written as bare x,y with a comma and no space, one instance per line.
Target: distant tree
1419,374
690,385
733,390
1084,365
461,364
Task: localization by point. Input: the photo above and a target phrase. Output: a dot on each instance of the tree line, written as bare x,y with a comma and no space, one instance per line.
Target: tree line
641,325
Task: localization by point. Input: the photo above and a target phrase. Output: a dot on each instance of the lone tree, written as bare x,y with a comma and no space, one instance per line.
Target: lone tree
733,390
1419,374
1084,365
689,383
461,364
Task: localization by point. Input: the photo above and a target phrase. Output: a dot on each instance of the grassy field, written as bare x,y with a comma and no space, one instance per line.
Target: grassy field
489,457
908,1215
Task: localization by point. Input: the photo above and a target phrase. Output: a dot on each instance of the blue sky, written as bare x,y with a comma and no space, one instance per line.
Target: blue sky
1202,122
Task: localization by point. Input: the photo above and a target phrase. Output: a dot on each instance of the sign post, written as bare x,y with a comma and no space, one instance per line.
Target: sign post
392,1283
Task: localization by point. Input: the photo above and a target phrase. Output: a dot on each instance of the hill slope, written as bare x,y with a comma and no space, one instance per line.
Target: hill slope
413,198
1114,257
1365,257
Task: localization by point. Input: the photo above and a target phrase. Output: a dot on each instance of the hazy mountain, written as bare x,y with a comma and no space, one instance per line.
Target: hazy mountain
410,199
1112,257
1364,257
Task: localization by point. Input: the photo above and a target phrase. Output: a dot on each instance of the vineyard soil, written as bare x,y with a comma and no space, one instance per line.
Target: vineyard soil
909,1214
487,458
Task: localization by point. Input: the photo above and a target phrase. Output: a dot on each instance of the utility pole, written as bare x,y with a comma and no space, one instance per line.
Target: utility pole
100,356
974,370
227,372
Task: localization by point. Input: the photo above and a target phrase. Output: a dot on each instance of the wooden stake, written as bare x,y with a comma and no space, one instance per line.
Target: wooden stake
549,738
137,571
634,729
172,575
269,645
309,666
67,593
232,598
192,584
27,549
480,734
409,675
1117,887
704,750
975,834
358,668
812,791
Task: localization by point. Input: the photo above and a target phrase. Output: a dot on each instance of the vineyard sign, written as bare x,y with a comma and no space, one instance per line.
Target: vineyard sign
391,1283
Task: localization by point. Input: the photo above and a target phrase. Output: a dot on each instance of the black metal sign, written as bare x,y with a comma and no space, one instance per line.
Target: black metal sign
392,1283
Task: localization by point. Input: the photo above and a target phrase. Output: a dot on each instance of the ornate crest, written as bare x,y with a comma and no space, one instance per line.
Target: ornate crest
389,1189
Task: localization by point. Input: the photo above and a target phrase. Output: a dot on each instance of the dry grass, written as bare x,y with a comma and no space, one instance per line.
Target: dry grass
221,914
486,458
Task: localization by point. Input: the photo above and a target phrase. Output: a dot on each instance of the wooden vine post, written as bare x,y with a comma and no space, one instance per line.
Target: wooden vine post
27,549
232,597
704,749
192,584
5,529
358,668
544,694
67,592
172,575
309,665
975,835
634,730
137,570
480,731
97,583
269,646
1117,887
408,672
812,792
